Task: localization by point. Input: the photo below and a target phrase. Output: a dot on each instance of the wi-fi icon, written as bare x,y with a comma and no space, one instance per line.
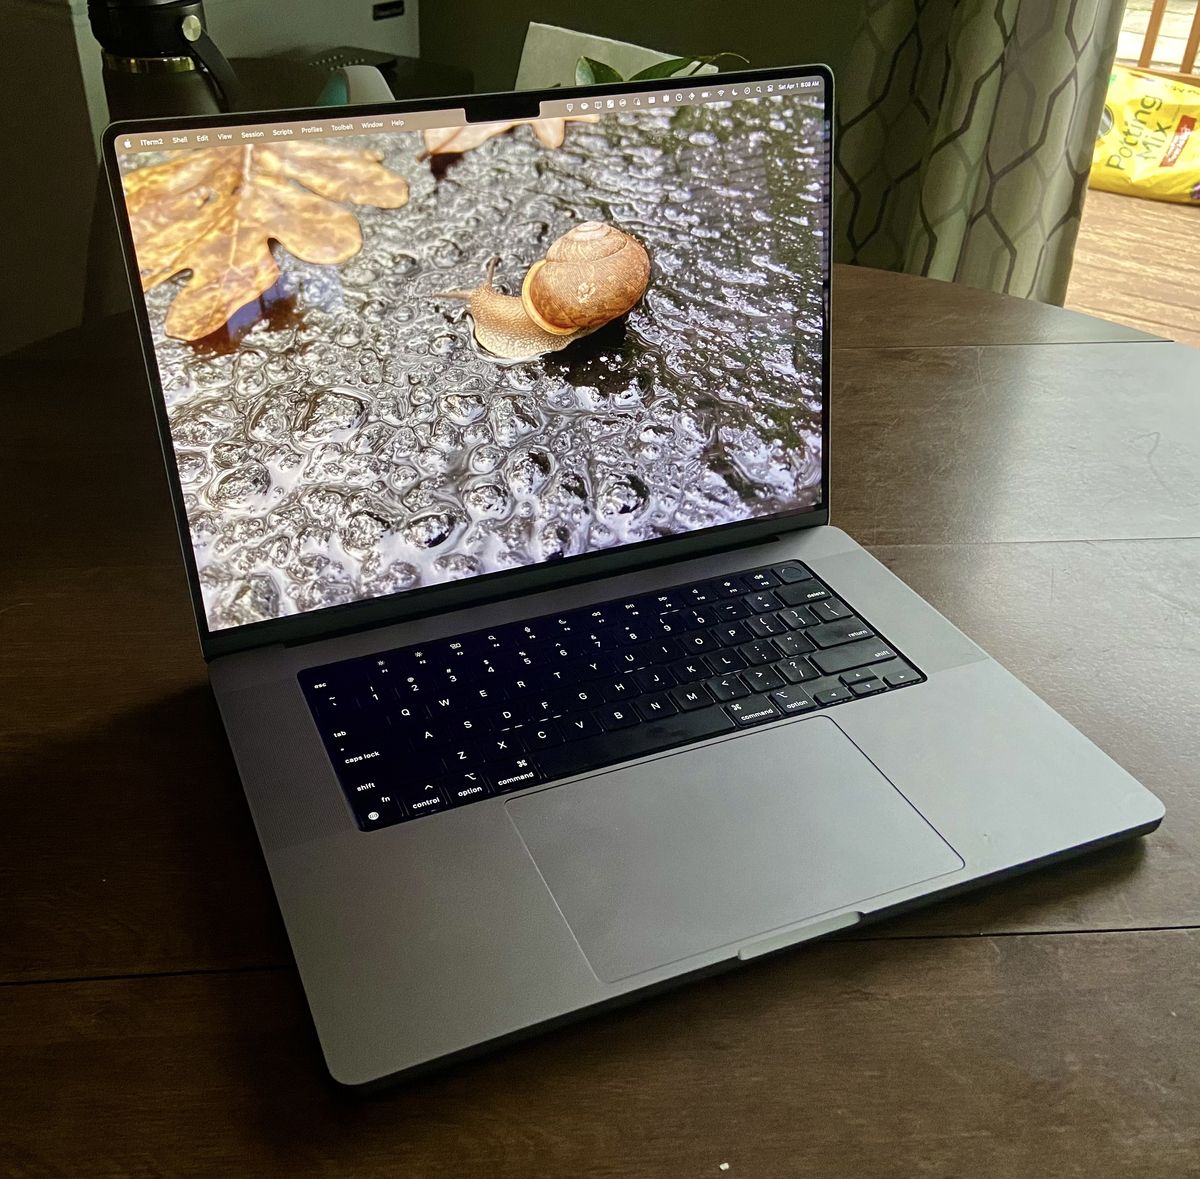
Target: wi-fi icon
721,93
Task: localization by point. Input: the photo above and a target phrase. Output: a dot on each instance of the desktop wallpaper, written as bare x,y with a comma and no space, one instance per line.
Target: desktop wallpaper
358,409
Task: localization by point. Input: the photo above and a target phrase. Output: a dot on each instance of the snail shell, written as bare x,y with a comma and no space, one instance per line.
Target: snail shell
590,276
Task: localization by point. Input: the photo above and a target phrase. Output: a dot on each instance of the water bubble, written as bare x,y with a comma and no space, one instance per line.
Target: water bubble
463,409
446,253
191,465
325,592
443,343
363,531
624,495
555,539
241,485
331,410
399,575
489,499
456,565
527,470
430,530
485,458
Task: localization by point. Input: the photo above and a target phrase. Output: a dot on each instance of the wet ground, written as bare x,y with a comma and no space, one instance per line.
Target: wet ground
354,442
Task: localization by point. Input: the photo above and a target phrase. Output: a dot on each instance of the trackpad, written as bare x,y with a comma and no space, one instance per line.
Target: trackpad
711,847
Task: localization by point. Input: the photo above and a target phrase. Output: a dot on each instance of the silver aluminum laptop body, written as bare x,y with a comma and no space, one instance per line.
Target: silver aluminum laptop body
438,937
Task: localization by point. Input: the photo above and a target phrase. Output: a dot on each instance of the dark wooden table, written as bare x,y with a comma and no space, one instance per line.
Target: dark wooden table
1031,471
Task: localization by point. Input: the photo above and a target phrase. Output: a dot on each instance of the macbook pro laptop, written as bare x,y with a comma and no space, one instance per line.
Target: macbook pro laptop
497,430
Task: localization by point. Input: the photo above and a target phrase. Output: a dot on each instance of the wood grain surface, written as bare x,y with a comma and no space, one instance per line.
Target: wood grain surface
1030,471
1136,263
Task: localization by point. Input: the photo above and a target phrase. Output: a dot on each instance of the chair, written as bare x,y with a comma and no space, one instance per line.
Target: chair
1187,67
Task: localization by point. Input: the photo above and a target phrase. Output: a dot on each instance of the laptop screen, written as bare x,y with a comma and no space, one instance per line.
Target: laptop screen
399,350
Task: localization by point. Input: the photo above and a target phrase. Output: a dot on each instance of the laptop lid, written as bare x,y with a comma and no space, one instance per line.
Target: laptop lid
409,357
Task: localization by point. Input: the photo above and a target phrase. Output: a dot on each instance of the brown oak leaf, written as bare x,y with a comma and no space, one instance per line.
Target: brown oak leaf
215,212
444,140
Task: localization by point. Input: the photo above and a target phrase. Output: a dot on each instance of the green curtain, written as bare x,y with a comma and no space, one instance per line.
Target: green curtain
966,130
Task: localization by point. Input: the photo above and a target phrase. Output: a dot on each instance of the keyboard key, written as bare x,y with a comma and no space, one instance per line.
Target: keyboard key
803,591
670,625
687,671
654,679
793,699
501,744
655,707
423,797
790,573
726,687
514,773
633,657
504,718
752,711
797,618
617,716
731,634
723,661
763,602
899,675
581,756
580,724
582,696
730,611
380,814
696,641
859,675
541,735
466,787
761,580
839,659
729,587
797,670
691,697
845,630
833,696
762,679
831,610
793,644
762,651
867,687
763,626
595,667
620,688
462,753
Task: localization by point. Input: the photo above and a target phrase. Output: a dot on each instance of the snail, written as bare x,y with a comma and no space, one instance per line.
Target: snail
593,274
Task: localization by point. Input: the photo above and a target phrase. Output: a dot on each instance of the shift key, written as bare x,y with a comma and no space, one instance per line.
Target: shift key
838,659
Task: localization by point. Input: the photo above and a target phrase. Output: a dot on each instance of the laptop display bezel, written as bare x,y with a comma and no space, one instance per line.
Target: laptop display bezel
447,597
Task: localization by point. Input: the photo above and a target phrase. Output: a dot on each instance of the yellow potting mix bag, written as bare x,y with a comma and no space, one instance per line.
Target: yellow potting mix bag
1149,143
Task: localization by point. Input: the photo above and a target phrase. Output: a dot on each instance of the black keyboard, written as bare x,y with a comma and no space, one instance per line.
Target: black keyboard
438,725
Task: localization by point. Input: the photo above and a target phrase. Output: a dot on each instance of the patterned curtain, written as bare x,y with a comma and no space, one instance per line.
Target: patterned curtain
966,134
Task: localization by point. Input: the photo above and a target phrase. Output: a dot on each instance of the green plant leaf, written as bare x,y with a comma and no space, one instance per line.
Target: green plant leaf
589,72
664,69
676,65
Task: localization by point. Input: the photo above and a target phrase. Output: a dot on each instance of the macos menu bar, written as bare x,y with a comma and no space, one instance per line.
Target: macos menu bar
676,92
